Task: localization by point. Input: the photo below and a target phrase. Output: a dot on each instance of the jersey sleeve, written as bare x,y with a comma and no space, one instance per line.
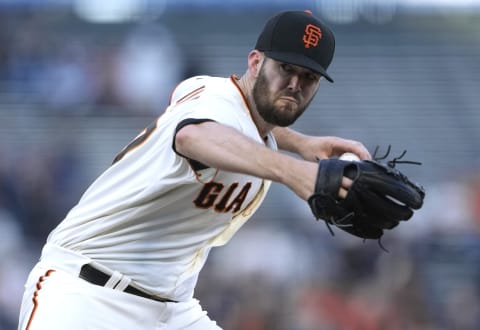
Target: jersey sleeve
202,99
196,165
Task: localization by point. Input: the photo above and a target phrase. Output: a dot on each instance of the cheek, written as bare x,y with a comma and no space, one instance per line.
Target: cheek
273,86
275,82
310,91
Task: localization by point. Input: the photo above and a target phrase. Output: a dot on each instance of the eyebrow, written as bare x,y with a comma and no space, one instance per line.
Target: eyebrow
302,70
298,67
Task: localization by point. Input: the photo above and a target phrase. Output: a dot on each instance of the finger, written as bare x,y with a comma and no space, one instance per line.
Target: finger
361,151
344,145
342,193
346,183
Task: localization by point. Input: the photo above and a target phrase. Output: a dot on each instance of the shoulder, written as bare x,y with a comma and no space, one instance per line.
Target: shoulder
207,97
194,87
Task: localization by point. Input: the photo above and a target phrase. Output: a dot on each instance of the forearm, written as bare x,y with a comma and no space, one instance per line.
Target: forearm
288,139
224,148
313,148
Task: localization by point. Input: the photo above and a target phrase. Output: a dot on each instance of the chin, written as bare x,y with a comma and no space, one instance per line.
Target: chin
288,107
285,121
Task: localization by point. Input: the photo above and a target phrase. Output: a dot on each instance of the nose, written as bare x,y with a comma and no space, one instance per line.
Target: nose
294,83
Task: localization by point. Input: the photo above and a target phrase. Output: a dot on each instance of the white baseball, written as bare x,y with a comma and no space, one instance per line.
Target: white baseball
349,156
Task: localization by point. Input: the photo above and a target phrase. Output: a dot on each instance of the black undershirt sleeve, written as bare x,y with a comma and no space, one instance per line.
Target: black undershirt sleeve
196,165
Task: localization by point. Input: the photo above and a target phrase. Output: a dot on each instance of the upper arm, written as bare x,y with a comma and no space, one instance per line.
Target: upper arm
183,124
184,135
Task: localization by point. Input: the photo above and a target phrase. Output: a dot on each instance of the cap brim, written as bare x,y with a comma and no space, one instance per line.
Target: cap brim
301,60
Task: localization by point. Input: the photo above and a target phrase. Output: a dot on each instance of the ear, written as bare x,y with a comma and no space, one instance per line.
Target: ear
255,60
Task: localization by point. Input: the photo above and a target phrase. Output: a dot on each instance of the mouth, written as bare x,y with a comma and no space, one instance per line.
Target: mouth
289,99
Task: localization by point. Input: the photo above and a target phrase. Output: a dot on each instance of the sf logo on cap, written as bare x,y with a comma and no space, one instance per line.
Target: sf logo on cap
312,35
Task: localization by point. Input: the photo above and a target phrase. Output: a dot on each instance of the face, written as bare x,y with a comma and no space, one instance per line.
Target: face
282,91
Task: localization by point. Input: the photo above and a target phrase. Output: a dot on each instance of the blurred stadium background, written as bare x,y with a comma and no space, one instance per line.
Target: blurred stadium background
78,79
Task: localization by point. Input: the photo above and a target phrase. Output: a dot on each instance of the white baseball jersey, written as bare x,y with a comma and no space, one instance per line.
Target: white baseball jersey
154,218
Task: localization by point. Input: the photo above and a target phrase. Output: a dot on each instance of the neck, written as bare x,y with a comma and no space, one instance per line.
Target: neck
246,85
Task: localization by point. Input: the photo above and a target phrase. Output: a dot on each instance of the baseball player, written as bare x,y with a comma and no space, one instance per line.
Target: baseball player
128,255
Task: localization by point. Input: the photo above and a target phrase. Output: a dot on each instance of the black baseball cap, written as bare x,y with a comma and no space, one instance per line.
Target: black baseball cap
298,37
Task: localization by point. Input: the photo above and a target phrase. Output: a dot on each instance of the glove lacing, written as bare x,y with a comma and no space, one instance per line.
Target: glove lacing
331,220
392,163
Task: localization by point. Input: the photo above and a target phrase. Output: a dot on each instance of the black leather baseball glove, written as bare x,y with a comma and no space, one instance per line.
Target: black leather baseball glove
379,198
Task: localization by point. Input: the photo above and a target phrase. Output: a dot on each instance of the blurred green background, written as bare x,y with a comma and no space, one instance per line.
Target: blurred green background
79,79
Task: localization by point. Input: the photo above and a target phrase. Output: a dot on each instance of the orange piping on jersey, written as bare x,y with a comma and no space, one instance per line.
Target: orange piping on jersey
191,95
35,295
234,79
173,91
138,141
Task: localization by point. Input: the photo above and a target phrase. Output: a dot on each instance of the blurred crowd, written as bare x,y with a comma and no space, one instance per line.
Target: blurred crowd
283,271
79,68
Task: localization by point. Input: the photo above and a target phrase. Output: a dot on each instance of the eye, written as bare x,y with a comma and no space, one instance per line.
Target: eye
286,67
312,76
316,77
